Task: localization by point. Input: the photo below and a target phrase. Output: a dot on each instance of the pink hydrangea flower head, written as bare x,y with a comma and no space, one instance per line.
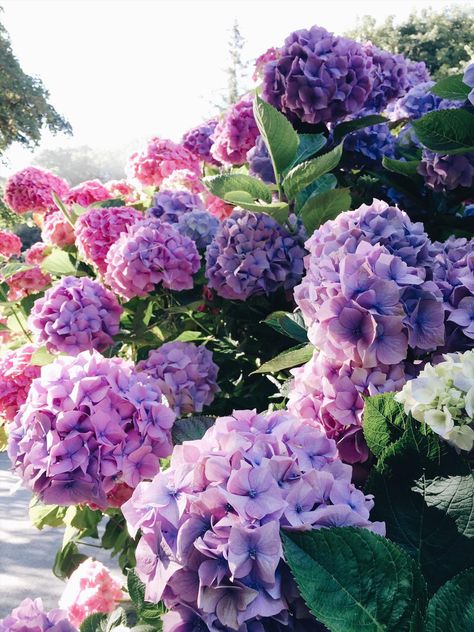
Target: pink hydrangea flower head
235,134
16,375
198,141
30,616
272,54
36,253
210,523
122,188
31,190
149,254
158,160
183,180
88,424
57,231
217,207
27,282
185,373
10,244
87,193
76,314
91,588
98,228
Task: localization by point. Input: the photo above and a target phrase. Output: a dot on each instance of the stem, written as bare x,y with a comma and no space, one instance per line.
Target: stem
5,298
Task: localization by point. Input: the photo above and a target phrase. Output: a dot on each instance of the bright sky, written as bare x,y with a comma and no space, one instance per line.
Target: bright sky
121,70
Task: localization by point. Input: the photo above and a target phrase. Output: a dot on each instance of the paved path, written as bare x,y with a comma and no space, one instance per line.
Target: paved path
27,554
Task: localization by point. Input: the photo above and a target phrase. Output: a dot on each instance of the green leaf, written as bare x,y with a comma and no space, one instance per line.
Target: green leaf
41,357
67,560
451,609
323,207
277,133
288,359
45,515
309,144
17,322
343,129
58,263
322,184
353,580
288,324
452,88
3,438
10,269
304,174
191,428
94,623
384,422
136,589
403,167
223,184
446,131
278,210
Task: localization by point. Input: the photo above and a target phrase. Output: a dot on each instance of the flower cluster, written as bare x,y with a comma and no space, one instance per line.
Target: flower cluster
76,314
36,253
199,141
235,134
418,101
446,173
31,190
200,226
168,206
87,193
390,78
158,160
468,79
99,228
186,375
260,163
318,77
16,375
262,60
123,189
30,616
10,244
442,396
417,72
151,253
183,180
26,282
251,255
57,231
90,589
88,424
210,523
217,207
370,143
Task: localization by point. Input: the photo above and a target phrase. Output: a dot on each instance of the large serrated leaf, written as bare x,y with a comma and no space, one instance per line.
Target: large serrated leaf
355,581
58,263
45,515
191,428
323,207
348,127
309,145
403,167
451,609
287,359
322,184
94,623
384,422
452,88
446,131
223,184
304,174
288,324
278,210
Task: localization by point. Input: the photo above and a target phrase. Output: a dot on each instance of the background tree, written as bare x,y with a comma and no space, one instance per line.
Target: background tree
24,106
444,40
237,69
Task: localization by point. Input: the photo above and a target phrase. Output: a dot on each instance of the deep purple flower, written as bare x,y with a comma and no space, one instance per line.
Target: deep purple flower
169,206
448,172
391,77
260,163
198,141
417,72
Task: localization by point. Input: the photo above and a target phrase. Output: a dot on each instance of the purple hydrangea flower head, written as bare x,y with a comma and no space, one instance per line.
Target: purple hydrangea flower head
417,72
370,144
418,101
30,616
210,545
391,78
251,255
468,79
445,173
199,141
200,226
260,163
185,373
89,424
235,134
151,253
168,206
319,77
76,314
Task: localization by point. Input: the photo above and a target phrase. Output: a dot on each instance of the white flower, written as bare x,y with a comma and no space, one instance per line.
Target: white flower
469,402
462,437
426,389
440,421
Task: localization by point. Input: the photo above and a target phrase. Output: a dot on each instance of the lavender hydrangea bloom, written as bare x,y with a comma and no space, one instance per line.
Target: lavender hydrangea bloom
417,72
151,253
200,226
319,77
88,425
210,545
391,78
418,101
199,141
446,173
468,79
260,163
76,314
30,616
252,255
168,206
185,373
371,143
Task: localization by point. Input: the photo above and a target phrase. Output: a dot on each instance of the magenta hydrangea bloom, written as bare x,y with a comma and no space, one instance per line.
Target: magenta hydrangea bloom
168,206
89,423
235,134
36,253
122,188
158,160
319,77
151,253
186,375
252,254
211,523
198,141
262,60
16,375
30,616
217,207
329,393
27,282
87,193
98,228
76,314
446,173
31,190
10,244
57,231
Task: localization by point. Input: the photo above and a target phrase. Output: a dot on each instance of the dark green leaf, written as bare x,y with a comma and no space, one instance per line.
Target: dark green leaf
353,580
322,184
384,422
403,167
348,127
191,428
452,88
58,263
451,609
111,203
45,515
446,131
288,324
323,207
304,174
278,210
277,133
223,184
287,359
94,623
117,618
67,560
309,145
136,589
